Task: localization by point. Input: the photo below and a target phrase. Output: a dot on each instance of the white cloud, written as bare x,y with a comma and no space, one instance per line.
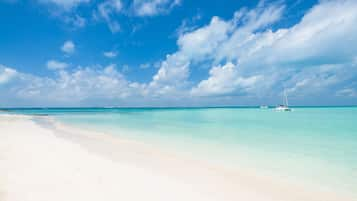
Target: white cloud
314,39
82,86
6,74
193,47
301,58
66,4
68,47
202,43
106,10
153,7
320,79
66,11
225,80
312,56
110,54
56,65
245,58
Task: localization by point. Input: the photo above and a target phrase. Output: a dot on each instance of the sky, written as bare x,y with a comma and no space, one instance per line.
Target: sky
162,53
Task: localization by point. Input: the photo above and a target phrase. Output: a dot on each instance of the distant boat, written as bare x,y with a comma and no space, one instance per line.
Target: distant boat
264,107
285,106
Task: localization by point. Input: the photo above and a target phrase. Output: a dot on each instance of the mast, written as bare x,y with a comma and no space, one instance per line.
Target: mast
286,99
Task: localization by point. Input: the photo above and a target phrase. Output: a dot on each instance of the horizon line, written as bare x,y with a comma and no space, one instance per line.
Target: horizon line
168,107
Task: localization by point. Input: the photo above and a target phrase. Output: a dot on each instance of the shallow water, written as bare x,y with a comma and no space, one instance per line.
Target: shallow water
316,145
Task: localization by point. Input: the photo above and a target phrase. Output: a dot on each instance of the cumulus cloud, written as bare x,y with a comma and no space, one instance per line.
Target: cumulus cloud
244,56
68,47
56,65
153,7
247,56
110,54
317,38
225,80
204,44
193,47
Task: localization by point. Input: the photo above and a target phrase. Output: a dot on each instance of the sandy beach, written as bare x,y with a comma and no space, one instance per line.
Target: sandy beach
41,162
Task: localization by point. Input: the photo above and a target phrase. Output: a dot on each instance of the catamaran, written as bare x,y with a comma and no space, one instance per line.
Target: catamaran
285,105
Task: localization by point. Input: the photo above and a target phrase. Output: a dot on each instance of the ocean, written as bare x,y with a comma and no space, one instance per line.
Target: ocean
313,145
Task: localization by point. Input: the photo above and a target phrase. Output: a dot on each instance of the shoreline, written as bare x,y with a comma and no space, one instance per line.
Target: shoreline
148,166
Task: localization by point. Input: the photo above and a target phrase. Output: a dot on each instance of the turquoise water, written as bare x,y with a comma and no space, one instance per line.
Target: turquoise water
314,144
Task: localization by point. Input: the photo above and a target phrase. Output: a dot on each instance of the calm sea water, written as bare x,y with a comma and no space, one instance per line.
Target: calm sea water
312,144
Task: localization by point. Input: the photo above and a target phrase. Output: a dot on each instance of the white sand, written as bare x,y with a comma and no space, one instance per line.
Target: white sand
67,164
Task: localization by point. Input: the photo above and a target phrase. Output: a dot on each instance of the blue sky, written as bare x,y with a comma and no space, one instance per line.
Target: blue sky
177,52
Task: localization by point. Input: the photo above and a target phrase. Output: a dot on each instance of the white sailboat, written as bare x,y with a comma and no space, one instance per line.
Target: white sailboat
285,106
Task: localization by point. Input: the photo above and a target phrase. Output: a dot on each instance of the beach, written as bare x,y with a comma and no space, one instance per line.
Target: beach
59,162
